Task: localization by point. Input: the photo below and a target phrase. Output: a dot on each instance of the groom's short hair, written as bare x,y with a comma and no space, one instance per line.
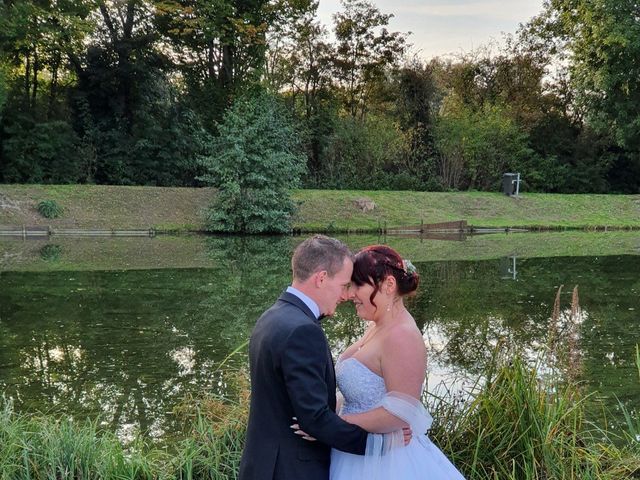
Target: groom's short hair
319,253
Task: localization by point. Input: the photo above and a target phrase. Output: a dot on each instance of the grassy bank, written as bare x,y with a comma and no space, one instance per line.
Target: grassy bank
515,426
326,210
180,209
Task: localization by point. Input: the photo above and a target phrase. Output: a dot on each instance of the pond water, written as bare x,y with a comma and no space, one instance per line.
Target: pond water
126,329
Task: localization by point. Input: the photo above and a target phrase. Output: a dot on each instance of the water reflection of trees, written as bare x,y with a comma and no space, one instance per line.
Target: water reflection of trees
250,274
468,309
131,345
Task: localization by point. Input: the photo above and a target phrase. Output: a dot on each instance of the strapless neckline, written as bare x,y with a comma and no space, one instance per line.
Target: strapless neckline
341,360
362,388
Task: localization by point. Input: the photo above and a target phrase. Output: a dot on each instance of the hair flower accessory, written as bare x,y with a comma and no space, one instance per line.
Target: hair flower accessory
408,266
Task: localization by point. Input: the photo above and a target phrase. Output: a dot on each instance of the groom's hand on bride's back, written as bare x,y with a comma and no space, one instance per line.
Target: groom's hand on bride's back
302,433
407,434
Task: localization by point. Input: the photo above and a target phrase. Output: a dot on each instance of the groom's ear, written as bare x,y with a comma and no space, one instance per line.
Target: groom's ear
320,277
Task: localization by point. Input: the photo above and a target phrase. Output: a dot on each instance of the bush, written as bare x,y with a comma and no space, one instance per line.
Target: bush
254,162
363,155
39,152
476,147
49,209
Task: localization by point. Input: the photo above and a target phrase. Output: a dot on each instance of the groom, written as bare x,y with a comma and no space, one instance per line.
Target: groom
292,372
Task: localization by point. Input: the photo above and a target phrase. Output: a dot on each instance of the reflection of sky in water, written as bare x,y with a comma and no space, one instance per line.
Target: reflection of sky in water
442,380
185,358
130,346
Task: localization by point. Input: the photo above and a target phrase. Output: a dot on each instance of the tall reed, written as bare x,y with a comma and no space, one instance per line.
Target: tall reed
518,426
33,447
632,424
213,449
529,422
515,424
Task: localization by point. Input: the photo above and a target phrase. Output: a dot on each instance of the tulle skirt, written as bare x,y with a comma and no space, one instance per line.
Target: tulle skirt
421,459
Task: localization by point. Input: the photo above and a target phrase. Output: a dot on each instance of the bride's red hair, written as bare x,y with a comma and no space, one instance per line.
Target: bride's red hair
373,264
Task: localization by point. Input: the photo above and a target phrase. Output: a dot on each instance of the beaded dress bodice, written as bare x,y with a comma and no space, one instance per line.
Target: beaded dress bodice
362,389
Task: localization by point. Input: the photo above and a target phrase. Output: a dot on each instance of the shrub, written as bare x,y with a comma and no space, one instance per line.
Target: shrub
50,209
254,162
363,155
34,152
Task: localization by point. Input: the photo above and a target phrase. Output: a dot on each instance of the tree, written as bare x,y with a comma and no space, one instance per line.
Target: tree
133,125
253,162
3,87
219,46
417,97
96,67
37,141
364,51
599,42
477,147
604,39
299,64
37,39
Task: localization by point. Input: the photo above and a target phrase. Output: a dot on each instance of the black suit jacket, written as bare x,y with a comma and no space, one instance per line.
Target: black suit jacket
292,376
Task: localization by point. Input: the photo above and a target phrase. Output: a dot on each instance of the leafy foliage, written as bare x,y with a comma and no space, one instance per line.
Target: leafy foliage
364,50
3,88
44,152
130,92
360,153
254,162
477,147
49,209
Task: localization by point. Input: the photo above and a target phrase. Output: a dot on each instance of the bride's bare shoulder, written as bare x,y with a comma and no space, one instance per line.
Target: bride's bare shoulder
405,335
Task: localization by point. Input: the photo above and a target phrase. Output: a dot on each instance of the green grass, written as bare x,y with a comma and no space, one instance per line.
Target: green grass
34,447
182,209
321,210
107,207
632,424
515,426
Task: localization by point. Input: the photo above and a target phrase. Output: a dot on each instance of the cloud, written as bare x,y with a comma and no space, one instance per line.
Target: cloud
441,27
513,11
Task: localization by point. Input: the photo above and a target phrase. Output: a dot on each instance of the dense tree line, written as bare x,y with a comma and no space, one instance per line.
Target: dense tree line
152,92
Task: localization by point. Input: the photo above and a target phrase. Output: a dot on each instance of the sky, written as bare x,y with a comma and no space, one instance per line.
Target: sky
448,27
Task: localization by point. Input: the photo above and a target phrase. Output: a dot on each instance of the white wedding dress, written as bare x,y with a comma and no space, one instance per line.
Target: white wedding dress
387,458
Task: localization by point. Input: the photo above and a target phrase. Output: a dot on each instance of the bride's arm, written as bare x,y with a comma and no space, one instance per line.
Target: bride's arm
403,361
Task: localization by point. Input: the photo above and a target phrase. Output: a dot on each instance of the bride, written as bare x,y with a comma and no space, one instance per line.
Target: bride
381,377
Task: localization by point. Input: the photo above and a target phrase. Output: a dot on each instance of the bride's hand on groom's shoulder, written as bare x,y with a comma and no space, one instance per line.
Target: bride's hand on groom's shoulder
301,433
